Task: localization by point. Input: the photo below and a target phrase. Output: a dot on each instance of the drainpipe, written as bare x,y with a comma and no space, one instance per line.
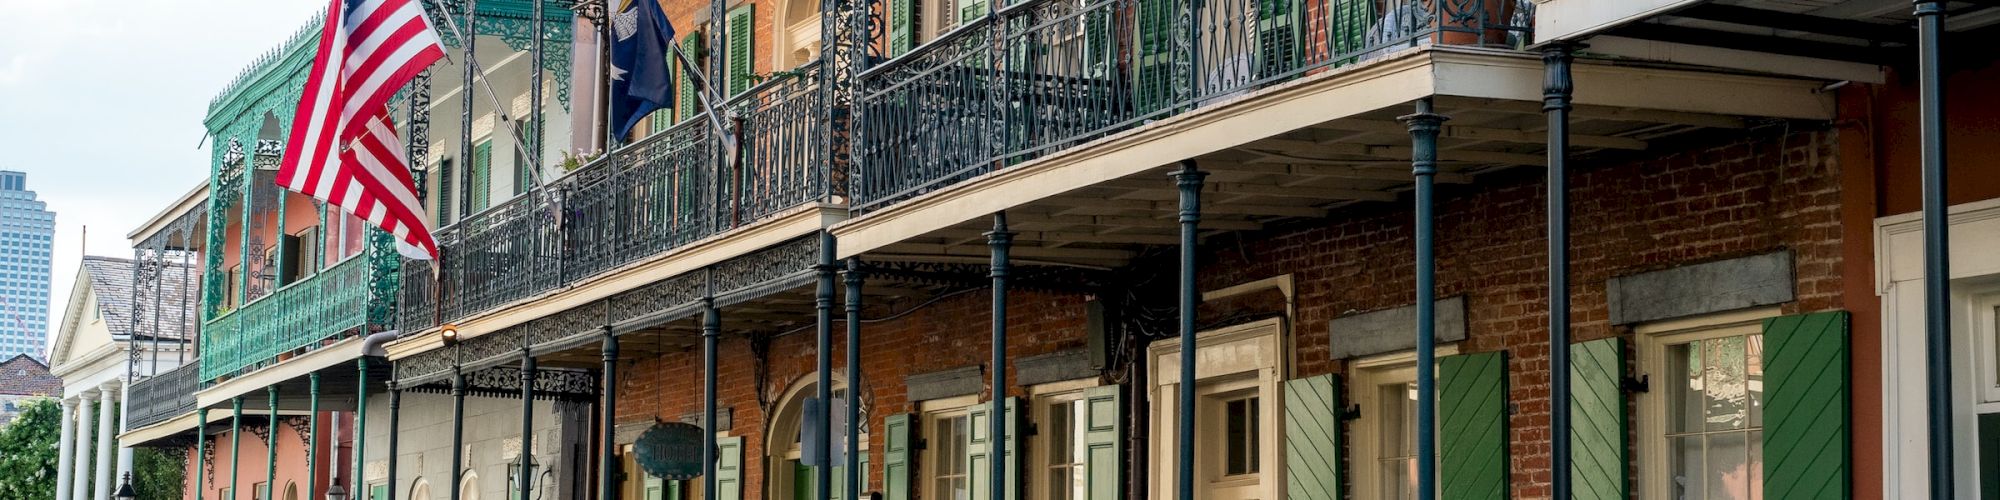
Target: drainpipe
854,425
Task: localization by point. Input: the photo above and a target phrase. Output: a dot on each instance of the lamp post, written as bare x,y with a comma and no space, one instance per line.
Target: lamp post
335,492
125,490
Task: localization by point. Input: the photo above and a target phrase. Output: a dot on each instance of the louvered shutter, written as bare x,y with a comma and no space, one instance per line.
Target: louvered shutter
1277,36
729,468
978,451
742,47
688,104
1312,439
1597,420
903,26
1472,426
970,11
1351,19
1154,30
896,456
1103,466
482,175
1806,407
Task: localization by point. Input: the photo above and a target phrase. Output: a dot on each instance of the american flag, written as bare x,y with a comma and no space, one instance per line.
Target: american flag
343,148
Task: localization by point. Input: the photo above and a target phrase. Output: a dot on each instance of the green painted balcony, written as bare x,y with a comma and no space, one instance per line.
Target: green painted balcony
297,318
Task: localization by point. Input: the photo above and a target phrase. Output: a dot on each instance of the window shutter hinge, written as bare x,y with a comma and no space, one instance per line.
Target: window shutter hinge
1633,385
1351,412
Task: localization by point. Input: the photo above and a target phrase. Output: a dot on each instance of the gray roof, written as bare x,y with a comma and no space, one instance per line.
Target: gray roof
112,279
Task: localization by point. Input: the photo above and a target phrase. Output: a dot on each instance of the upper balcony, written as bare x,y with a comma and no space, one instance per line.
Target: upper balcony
657,196
1041,76
325,307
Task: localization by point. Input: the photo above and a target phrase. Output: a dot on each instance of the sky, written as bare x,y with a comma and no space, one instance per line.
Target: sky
101,103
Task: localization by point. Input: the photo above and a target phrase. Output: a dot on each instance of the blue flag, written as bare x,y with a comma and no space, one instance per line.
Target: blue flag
641,79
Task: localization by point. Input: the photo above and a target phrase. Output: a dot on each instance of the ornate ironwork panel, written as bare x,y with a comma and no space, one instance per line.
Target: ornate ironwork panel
162,397
505,382
302,316
659,296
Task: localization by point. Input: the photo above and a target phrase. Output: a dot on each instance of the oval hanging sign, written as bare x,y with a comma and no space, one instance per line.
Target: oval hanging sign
670,451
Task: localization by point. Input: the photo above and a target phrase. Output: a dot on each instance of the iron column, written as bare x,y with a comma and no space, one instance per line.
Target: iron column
527,464
312,436
1937,245
1424,125
823,307
395,431
607,479
1001,240
1556,89
711,332
854,476
1189,178
235,443
468,59
200,448
360,427
271,441
457,426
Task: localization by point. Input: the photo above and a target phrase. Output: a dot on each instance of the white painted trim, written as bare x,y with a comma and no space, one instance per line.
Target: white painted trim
1747,60
1575,19
181,206
1248,356
1899,280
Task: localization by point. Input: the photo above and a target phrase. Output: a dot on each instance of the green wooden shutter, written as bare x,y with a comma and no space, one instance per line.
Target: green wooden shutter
482,175
1154,73
1103,466
729,468
970,10
688,102
978,451
1277,36
896,456
1805,406
1351,19
903,26
1472,426
378,492
742,48
1597,420
655,488
1312,439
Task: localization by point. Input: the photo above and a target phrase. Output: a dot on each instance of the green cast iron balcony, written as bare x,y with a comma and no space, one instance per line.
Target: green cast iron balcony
299,317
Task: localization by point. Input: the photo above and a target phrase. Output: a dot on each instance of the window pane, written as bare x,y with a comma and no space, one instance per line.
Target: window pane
1239,435
1060,418
1756,465
1399,479
1753,359
1727,387
1685,457
1683,388
1728,466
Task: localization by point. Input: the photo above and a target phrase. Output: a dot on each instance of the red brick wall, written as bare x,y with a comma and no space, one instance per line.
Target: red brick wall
1735,198
1741,198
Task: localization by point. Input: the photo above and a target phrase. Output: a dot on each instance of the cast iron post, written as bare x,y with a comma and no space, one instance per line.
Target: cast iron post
1189,178
1424,125
1556,89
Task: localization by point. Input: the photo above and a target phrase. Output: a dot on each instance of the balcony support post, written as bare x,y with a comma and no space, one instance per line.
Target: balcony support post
457,425
395,432
828,267
470,74
312,436
200,450
526,469
1189,179
271,439
854,385
1557,87
1001,241
607,479
711,333
235,443
1937,246
1424,126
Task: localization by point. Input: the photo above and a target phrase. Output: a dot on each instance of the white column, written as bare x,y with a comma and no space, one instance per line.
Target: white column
107,395
124,452
80,490
66,458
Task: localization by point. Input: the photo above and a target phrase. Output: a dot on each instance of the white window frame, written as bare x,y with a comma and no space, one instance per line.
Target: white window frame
1651,341
929,412
1245,357
781,446
1045,398
1982,318
1364,433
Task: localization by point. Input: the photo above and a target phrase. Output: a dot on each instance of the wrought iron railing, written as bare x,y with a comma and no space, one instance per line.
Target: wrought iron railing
300,316
1044,75
646,199
164,396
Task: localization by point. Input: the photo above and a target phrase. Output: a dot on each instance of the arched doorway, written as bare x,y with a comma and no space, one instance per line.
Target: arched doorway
421,490
798,33
788,477
292,491
468,486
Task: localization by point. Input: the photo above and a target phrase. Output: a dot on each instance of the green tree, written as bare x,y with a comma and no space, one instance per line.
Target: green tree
156,474
28,451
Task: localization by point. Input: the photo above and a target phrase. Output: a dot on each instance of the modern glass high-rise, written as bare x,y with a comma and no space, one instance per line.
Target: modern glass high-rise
26,230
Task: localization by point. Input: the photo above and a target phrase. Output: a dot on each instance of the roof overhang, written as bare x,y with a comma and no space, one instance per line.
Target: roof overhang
181,206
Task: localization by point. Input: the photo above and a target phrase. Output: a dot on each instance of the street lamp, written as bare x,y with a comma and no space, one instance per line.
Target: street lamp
449,334
125,490
335,492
